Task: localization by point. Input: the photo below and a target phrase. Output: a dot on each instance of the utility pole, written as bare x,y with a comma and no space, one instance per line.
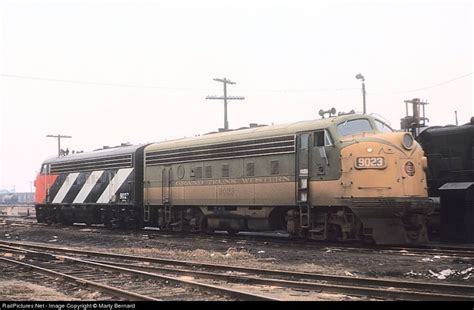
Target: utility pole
59,141
225,98
361,77
456,116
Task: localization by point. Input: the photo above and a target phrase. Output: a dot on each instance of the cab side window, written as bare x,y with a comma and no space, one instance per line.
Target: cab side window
322,138
45,169
304,139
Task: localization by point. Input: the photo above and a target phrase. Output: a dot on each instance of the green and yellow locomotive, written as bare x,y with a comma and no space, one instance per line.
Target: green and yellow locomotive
340,178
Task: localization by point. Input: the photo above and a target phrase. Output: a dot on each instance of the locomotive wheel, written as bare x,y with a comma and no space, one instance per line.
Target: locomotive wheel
413,234
368,240
209,231
65,221
104,219
334,233
203,227
232,232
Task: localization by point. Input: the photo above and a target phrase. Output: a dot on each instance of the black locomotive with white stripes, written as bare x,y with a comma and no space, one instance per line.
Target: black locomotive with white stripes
100,187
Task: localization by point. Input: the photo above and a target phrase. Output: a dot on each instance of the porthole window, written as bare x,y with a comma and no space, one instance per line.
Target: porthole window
181,172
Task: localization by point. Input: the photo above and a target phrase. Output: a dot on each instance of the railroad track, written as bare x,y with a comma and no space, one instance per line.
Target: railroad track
425,249
17,205
19,221
70,291
120,282
311,283
465,252
81,277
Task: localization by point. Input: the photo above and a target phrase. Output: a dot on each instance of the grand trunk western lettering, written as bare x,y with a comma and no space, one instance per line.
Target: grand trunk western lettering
255,180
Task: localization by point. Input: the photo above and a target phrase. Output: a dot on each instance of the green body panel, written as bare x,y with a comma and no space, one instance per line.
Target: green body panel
320,168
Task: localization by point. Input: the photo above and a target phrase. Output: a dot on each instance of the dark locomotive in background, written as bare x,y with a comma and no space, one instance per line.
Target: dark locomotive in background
345,178
450,154
450,175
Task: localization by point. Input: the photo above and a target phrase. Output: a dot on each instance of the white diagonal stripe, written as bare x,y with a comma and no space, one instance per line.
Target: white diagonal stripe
114,185
65,187
86,189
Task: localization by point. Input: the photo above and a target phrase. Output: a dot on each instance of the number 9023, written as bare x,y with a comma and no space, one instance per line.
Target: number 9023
370,162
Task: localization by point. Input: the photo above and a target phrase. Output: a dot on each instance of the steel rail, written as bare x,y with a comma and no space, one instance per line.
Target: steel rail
238,294
201,286
432,250
388,291
455,289
101,287
417,250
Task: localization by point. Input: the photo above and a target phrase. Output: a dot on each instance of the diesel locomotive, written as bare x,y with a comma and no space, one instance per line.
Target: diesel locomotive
341,178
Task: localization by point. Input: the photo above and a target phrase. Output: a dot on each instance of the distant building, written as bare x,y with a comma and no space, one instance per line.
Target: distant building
7,197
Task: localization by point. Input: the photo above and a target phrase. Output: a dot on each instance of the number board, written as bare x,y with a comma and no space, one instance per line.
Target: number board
370,163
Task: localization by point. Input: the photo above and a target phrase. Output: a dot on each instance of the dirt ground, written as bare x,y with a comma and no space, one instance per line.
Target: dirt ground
21,290
245,251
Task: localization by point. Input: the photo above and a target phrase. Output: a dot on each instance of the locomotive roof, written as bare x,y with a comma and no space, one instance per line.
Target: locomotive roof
253,133
95,154
447,130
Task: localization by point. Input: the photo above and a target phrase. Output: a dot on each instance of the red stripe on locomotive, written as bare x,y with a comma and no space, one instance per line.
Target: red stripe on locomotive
42,184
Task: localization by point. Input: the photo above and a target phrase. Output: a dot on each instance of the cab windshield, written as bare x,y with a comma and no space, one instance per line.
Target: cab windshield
382,127
354,127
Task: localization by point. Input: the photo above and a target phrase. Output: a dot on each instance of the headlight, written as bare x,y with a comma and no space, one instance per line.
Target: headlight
407,141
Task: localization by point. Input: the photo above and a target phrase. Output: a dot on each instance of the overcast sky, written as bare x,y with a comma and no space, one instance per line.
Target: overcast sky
107,72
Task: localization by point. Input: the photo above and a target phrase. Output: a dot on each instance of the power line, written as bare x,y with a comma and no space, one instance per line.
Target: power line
435,85
299,90
124,85
96,83
423,88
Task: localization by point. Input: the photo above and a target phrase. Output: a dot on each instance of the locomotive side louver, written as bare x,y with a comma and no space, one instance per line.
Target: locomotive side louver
257,147
107,163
